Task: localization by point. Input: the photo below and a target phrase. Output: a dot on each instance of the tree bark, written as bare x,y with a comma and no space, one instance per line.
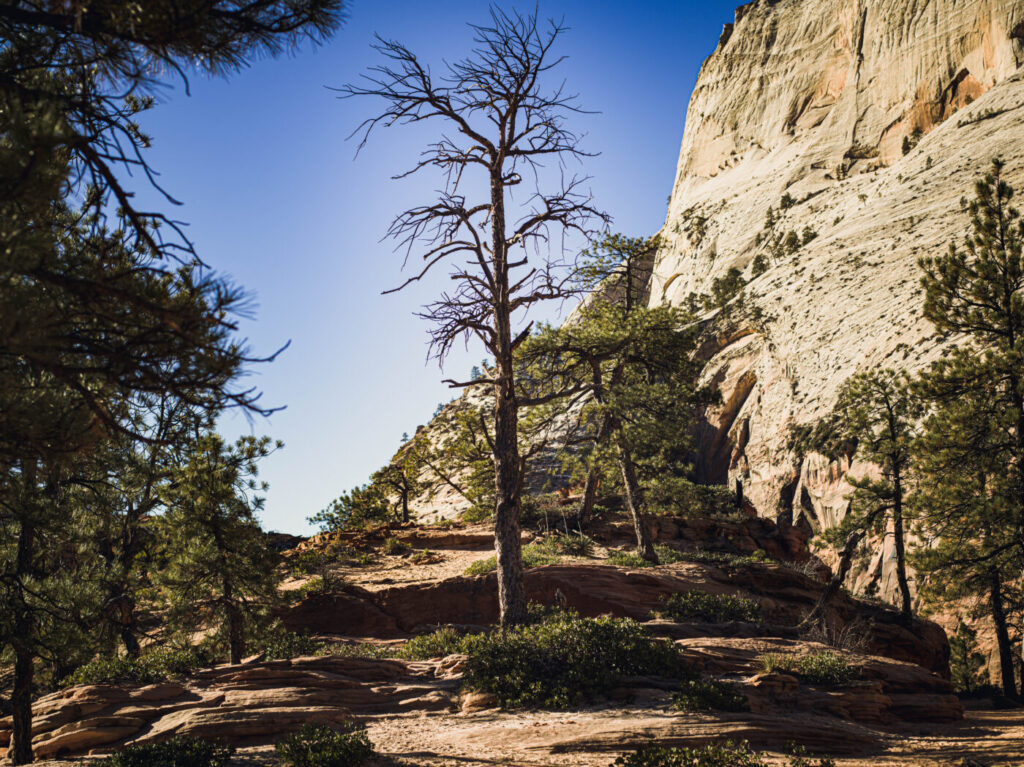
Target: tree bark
236,624
1002,635
589,497
507,483
507,543
900,544
22,640
635,502
21,706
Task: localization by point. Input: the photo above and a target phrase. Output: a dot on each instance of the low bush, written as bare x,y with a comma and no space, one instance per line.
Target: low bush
282,644
724,754
318,584
666,556
534,555
713,608
426,557
573,545
395,547
176,752
563,660
709,695
317,745
362,560
444,641
758,557
824,668
362,650
669,556
799,758
308,562
151,667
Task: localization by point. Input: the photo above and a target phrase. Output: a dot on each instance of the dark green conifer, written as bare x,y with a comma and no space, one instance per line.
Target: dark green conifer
971,452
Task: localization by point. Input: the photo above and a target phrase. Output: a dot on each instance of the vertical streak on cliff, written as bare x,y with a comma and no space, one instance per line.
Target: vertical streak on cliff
857,55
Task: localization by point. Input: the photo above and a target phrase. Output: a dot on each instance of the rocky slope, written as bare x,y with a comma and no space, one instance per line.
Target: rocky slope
417,714
813,99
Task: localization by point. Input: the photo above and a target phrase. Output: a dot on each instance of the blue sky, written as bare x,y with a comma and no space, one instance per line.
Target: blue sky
274,198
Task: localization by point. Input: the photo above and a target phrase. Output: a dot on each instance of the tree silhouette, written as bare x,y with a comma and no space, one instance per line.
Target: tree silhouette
498,123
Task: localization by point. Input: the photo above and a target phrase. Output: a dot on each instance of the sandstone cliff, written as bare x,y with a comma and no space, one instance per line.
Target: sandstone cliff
818,100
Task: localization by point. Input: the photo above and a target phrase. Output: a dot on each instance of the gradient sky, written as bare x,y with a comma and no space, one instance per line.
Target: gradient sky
274,198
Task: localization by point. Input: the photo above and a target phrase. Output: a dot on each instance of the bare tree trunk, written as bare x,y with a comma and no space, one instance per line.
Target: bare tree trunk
24,663
593,476
635,502
845,561
507,482
236,625
21,706
124,604
1002,635
589,497
901,552
129,629
507,543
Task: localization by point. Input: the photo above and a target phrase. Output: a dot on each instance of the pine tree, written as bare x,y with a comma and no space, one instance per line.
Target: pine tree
97,310
971,452
965,662
636,364
88,68
874,418
353,509
124,484
219,570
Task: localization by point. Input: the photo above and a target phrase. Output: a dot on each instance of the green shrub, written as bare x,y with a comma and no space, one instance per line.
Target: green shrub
799,758
362,650
573,545
426,557
280,645
318,584
825,668
444,641
713,608
628,559
482,566
151,667
759,557
666,556
724,754
317,745
176,752
308,562
564,659
534,555
479,512
394,546
709,695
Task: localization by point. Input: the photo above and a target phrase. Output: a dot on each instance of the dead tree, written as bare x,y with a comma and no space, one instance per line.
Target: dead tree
502,242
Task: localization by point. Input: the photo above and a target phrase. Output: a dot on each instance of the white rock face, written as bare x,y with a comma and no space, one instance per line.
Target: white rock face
814,98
